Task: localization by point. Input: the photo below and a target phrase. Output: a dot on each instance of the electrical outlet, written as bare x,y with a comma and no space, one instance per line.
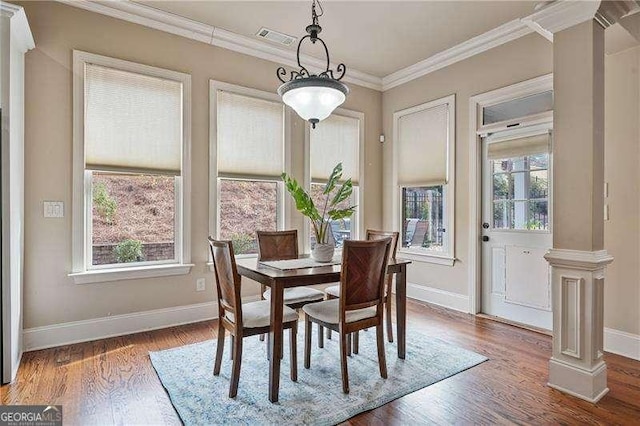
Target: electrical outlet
200,284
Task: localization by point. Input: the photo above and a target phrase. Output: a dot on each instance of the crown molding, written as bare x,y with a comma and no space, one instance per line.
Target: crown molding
555,17
498,36
20,30
168,22
561,15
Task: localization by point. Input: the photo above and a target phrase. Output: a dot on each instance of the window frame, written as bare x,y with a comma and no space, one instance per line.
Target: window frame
446,257
357,227
284,204
82,194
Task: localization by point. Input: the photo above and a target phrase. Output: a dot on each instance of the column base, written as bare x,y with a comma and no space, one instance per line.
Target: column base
590,385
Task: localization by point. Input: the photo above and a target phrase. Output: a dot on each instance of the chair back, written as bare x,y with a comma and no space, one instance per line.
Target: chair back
227,279
378,235
277,245
364,266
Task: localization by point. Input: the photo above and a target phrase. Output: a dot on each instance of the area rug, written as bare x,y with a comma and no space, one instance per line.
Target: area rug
200,398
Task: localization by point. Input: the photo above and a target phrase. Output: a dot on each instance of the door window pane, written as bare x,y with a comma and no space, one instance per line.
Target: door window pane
520,196
133,218
245,207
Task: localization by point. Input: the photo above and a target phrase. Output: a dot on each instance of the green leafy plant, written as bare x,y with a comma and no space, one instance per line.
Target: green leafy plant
105,205
242,243
320,220
128,251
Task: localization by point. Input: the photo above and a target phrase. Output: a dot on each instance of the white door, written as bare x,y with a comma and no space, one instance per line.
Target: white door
516,226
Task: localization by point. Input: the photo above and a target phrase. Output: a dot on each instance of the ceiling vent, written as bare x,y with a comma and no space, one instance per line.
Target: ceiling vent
276,37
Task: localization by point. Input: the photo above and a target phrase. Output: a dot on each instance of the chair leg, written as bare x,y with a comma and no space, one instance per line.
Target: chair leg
382,361
219,349
262,290
389,324
233,345
356,342
320,336
344,345
235,372
329,333
307,342
268,345
294,352
348,344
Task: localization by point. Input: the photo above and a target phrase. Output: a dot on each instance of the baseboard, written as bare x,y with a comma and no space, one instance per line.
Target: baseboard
118,325
439,297
622,343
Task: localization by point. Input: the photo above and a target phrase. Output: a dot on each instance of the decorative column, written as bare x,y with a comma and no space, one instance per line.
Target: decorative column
578,259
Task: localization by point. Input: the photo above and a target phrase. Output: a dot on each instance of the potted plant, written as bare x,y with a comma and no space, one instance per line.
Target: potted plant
321,220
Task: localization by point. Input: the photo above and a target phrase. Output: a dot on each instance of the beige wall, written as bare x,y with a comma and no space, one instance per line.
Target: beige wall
50,296
526,58
520,60
622,156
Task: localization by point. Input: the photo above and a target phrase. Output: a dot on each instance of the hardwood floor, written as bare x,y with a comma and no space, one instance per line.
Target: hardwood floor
111,381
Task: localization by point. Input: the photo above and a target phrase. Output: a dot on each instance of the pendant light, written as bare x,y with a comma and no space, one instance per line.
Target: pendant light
313,97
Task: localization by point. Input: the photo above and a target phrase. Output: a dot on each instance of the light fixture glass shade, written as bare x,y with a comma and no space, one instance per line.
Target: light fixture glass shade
313,98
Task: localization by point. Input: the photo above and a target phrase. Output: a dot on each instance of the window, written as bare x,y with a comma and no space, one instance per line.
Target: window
131,146
518,108
248,138
520,183
337,139
424,162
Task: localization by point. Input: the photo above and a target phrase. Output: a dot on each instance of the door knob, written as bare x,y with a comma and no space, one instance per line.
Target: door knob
485,238
485,225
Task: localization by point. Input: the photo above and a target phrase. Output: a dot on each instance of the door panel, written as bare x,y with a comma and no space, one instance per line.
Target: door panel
516,227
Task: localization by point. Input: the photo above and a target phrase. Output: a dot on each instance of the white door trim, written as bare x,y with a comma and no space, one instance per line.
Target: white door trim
476,103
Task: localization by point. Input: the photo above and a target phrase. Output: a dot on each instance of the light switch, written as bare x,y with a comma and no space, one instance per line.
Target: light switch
53,209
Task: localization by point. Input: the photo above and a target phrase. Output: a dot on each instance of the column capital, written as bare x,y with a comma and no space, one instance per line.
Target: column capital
578,259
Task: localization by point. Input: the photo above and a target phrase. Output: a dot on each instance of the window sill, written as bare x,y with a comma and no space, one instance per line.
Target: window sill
240,256
427,258
106,275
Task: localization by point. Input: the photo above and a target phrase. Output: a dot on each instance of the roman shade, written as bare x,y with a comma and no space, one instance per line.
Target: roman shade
250,136
423,144
335,140
519,147
132,122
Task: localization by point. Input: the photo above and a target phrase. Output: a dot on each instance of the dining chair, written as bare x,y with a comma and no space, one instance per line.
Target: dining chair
333,292
242,319
361,301
283,245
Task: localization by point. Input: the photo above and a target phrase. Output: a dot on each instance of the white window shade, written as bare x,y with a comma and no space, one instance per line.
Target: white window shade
132,122
519,147
423,141
250,136
335,140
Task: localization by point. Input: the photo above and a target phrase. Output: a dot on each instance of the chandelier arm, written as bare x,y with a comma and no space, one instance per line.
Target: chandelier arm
326,51
281,72
298,52
342,69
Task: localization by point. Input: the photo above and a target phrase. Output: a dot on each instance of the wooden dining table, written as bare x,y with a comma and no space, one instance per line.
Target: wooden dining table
279,279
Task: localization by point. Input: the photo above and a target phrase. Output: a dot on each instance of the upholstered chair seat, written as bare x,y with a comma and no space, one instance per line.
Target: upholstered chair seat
258,314
298,295
329,311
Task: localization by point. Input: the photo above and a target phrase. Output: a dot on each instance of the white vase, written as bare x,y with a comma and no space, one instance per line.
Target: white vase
323,252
